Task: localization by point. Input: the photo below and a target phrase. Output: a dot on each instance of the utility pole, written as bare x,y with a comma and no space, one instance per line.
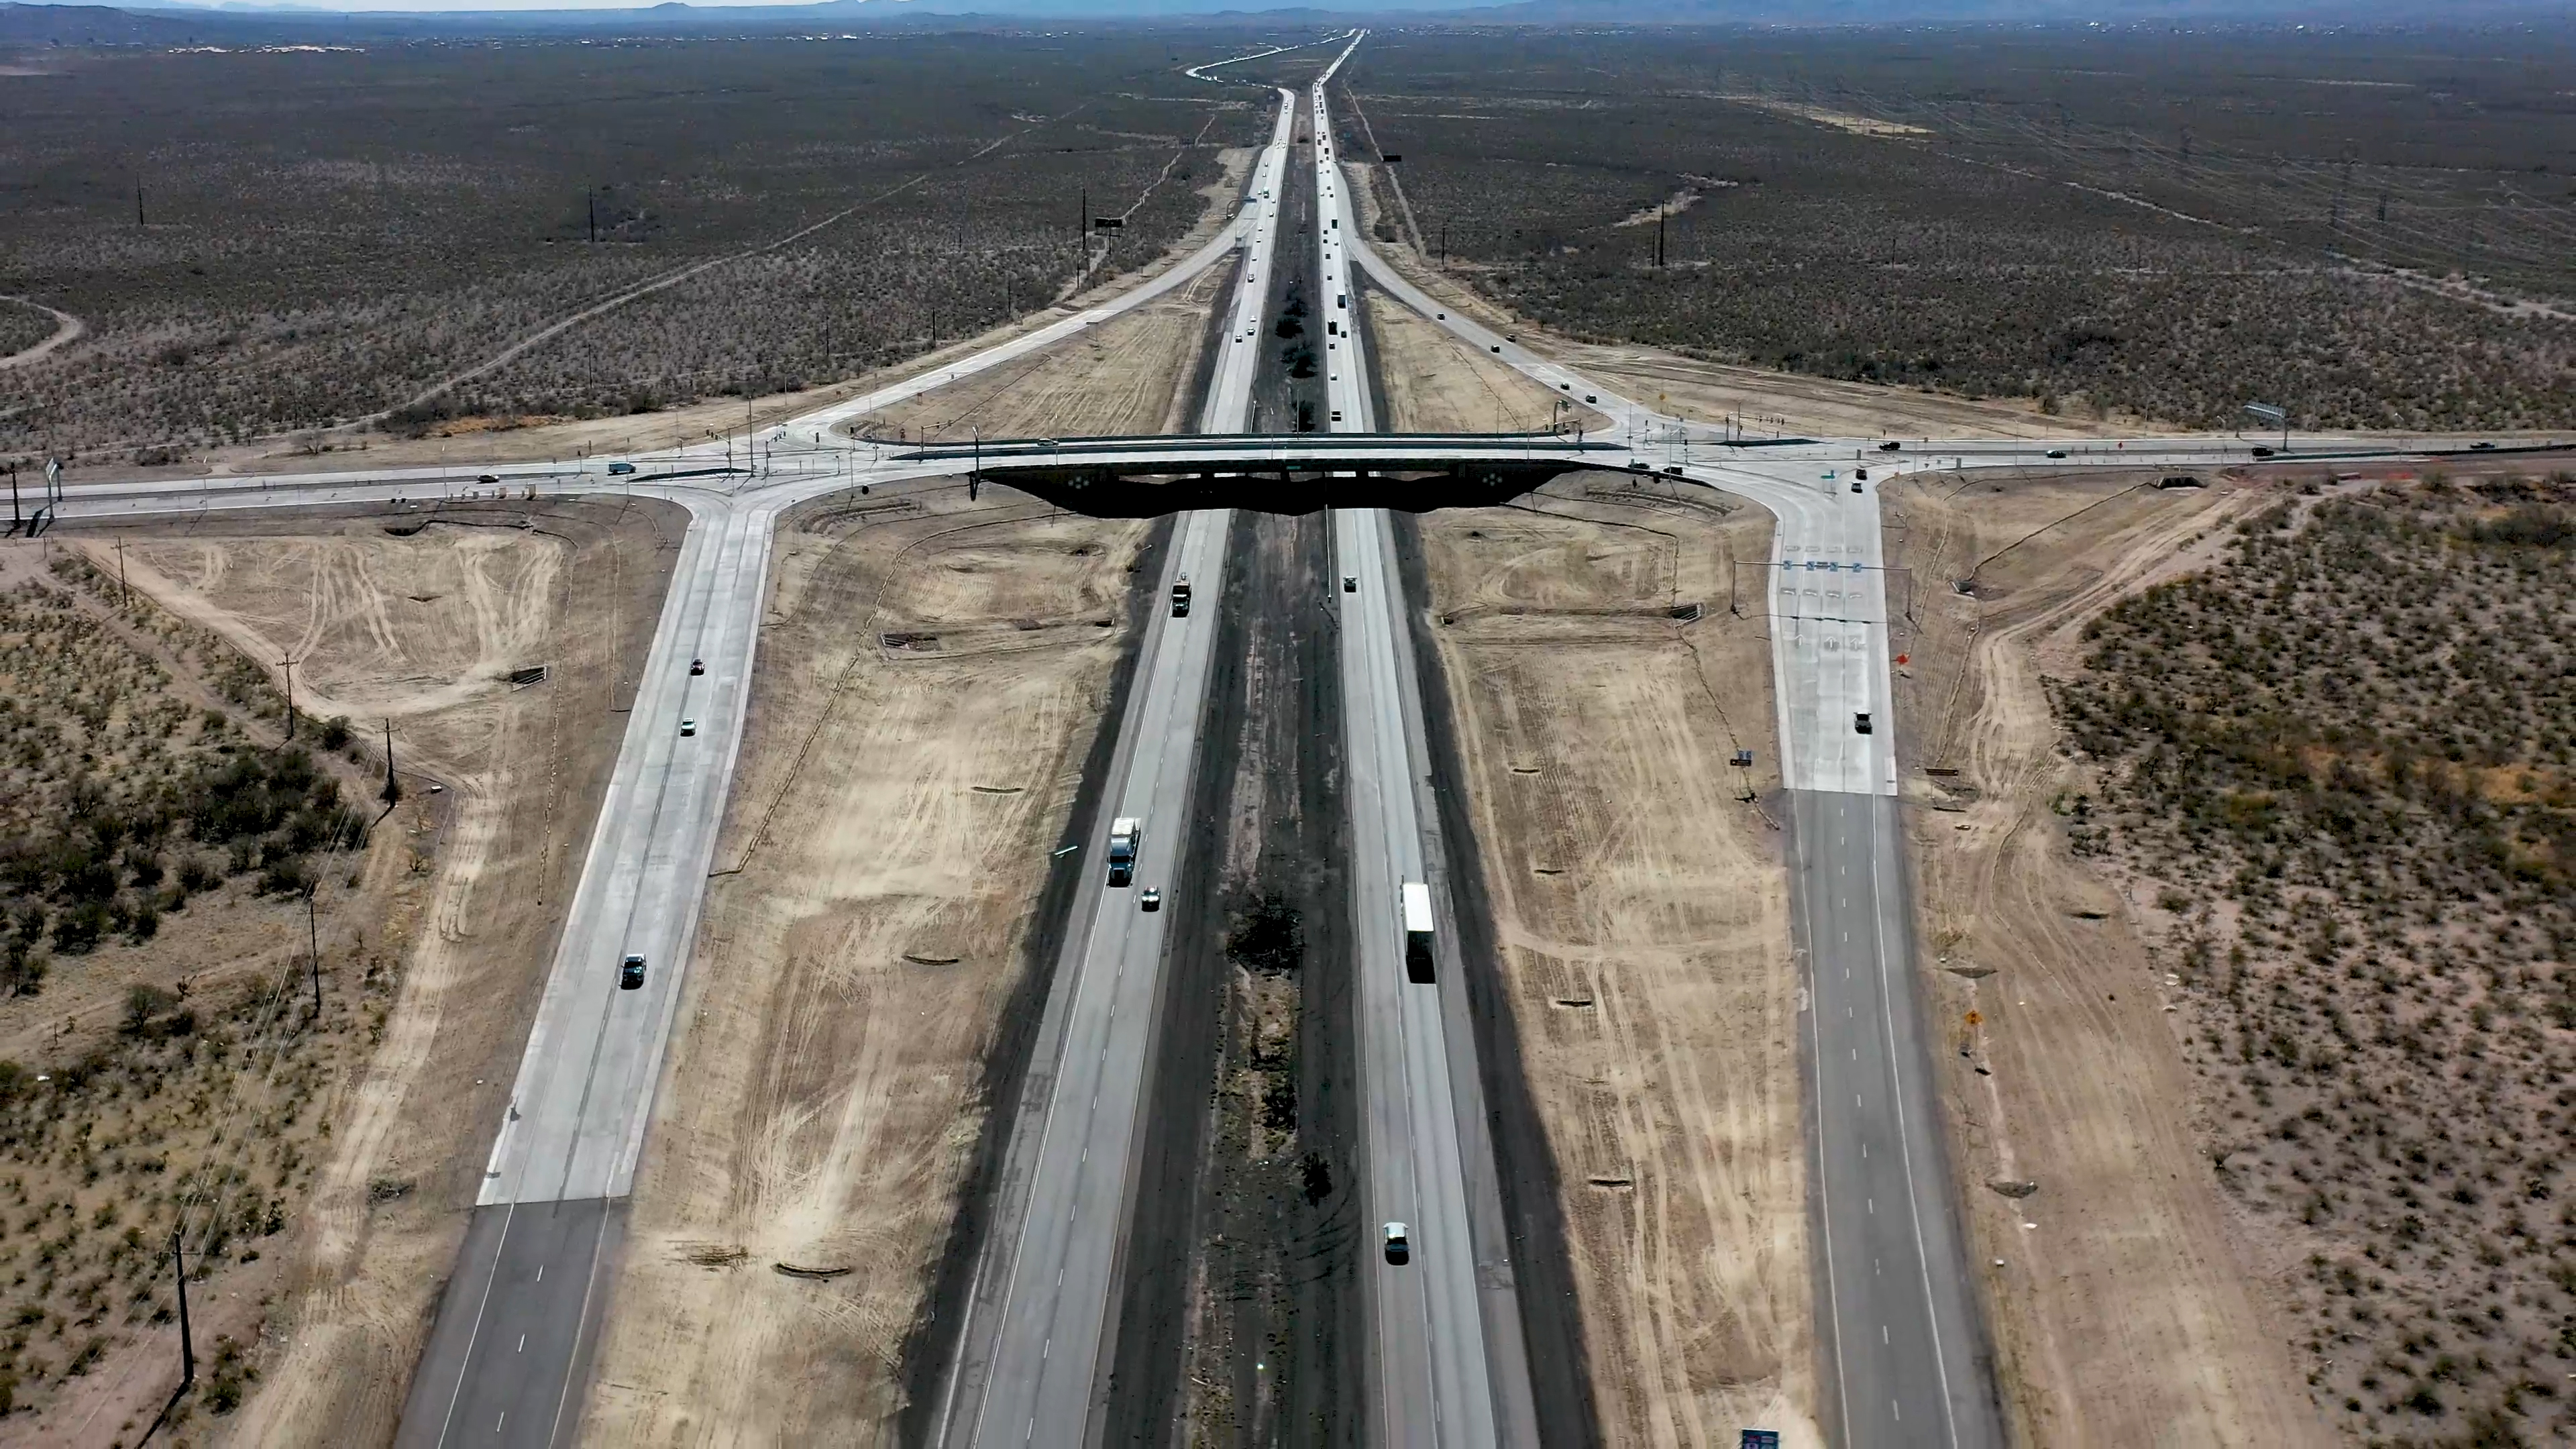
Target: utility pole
124,595
1659,236
138,206
393,791
187,1342
289,665
594,216
18,519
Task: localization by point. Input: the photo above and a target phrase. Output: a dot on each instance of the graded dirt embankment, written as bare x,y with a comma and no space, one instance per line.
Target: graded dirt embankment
2126,1309
930,678
443,931
1641,908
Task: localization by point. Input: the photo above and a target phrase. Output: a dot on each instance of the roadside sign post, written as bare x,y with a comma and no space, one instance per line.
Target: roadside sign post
2273,416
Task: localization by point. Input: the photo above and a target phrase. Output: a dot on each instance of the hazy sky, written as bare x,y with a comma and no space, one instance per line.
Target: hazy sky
1138,8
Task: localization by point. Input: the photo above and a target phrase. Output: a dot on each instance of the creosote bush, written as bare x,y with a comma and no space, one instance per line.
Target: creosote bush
2344,762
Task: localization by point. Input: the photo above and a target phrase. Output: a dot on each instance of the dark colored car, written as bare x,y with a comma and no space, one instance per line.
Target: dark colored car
1860,723
630,973
1890,446
697,666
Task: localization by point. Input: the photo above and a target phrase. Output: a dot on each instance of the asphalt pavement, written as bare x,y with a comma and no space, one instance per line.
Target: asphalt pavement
1041,1332
1448,1363
507,1355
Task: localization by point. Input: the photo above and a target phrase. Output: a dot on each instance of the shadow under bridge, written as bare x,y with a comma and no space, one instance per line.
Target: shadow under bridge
1141,477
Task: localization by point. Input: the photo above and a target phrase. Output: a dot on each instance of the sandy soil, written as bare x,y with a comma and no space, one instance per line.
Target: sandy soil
2130,1306
887,838
1643,909
410,628
1128,376
1435,383
502,440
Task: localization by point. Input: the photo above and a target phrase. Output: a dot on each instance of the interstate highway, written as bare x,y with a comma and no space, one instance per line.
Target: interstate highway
505,1361
1031,1365
1445,1329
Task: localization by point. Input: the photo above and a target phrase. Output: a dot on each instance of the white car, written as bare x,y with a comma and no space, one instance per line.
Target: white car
1398,1251
688,727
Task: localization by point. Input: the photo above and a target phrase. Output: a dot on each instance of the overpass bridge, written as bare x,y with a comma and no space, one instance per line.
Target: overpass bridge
1143,476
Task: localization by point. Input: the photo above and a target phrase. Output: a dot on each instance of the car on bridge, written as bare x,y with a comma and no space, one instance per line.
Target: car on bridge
1890,446
1398,1251
618,468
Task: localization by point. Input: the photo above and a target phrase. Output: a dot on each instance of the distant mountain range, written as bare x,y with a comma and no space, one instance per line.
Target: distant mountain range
178,22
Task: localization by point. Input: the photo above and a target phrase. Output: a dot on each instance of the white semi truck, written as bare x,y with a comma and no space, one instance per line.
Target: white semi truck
1126,837
1417,931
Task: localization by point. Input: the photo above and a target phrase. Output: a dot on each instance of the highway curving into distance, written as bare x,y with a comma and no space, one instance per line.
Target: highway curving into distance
1906,1362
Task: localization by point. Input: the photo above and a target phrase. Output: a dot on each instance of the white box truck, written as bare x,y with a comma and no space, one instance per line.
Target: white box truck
1417,931
1126,837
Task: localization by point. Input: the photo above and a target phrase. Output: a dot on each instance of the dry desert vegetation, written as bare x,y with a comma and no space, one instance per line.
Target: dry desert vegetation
320,1168
2334,768
2248,921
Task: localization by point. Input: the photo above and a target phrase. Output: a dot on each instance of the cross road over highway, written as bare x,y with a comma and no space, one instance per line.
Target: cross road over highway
1903,1349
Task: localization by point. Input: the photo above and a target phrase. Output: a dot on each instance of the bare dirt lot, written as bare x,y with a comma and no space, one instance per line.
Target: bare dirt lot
1642,910
878,874
2132,1307
358,1144
1434,382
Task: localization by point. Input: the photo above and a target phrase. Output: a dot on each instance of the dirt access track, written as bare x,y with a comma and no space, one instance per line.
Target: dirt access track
2127,1308
417,617
932,677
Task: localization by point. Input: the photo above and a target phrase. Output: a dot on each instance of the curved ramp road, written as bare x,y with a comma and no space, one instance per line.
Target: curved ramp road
508,1355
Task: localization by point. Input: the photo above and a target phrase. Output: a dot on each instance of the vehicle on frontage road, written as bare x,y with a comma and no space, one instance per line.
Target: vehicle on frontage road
1181,597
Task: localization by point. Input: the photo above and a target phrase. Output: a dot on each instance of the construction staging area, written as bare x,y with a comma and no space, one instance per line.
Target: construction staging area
1252,971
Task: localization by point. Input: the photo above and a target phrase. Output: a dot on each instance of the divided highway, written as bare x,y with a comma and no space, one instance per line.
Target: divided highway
507,1358
1033,1357
1907,1362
